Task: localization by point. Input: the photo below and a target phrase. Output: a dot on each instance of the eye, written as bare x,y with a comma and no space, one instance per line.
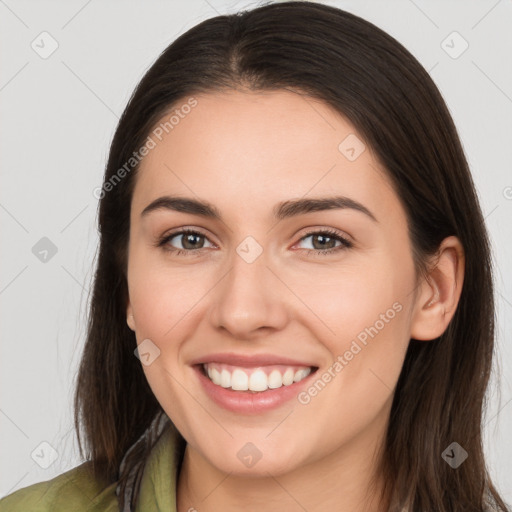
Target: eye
190,241
324,241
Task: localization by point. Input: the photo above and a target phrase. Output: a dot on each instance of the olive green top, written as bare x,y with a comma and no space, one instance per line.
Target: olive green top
76,490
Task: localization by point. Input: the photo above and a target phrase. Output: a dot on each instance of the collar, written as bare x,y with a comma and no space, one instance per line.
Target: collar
149,470
160,478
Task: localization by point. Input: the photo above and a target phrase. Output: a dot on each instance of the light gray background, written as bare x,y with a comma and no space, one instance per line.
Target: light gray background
58,117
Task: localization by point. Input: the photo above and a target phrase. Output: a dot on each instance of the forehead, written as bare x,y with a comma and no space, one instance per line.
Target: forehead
252,150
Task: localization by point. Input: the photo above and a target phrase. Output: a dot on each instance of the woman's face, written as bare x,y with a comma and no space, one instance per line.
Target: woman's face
256,296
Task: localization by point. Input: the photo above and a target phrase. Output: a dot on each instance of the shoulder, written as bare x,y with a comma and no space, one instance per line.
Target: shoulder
75,490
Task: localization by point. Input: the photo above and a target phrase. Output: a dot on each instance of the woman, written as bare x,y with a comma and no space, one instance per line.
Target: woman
293,249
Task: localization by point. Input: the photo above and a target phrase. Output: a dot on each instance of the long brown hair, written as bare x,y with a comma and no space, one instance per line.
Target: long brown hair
369,77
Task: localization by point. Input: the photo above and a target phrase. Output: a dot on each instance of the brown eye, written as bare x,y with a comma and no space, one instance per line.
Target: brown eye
326,242
190,241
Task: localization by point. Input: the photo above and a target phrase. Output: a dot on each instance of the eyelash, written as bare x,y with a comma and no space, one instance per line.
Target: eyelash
345,244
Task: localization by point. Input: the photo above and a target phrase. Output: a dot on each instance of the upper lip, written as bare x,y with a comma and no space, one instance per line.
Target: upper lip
245,360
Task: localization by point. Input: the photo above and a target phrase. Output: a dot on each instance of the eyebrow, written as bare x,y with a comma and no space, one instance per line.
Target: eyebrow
281,211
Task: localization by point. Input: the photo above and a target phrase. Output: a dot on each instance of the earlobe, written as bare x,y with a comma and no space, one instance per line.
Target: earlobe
129,317
439,292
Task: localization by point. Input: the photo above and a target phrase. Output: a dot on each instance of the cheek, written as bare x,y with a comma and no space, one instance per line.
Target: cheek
364,327
373,327
163,296
366,357
163,306
346,300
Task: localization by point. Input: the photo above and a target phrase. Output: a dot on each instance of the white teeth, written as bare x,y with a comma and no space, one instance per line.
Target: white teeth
301,374
239,381
258,381
275,379
215,376
225,379
288,377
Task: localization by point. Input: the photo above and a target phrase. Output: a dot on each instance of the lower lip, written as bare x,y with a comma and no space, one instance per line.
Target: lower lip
246,402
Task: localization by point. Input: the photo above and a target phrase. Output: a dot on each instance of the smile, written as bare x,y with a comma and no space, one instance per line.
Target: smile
257,380
251,385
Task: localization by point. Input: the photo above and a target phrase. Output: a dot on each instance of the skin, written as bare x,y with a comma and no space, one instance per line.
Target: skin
244,152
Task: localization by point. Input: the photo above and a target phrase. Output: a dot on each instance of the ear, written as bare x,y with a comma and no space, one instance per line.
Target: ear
439,292
129,317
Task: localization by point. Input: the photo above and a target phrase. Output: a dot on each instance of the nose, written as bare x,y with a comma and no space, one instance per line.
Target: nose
249,300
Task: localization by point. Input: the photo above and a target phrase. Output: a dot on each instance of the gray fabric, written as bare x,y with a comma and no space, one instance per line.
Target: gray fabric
132,466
